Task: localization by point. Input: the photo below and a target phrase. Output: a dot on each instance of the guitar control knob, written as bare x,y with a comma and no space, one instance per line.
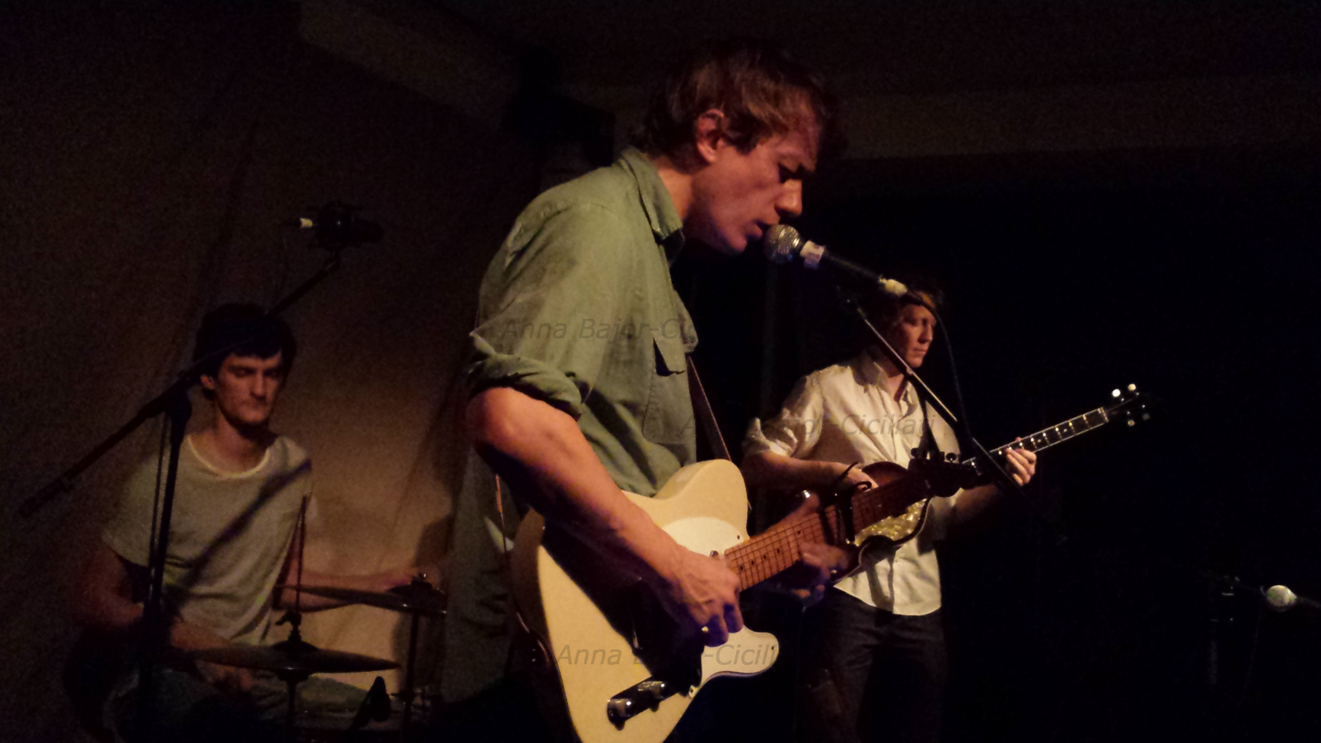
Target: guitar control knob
619,710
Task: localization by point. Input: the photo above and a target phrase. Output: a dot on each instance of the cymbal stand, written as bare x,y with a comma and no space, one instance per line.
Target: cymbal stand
295,645
408,693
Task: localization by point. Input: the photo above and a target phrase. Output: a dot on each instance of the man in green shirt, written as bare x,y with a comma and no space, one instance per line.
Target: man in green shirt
577,383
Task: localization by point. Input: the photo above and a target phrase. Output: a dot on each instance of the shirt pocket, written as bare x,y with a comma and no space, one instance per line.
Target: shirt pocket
669,415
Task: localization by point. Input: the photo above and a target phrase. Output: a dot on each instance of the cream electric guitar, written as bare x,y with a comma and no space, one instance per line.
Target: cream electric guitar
609,660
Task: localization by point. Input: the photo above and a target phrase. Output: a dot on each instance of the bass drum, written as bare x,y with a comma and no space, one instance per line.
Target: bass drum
333,727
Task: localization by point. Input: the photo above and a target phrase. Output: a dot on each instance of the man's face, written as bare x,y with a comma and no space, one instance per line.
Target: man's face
911,334
245,388
738,195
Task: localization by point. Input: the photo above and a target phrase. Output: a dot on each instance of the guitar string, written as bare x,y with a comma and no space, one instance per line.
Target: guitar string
1044,434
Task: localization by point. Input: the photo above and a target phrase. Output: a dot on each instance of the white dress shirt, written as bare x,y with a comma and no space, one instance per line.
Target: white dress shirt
843,413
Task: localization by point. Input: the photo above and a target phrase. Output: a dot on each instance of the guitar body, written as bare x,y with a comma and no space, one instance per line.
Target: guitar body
902,520
897,520
601,633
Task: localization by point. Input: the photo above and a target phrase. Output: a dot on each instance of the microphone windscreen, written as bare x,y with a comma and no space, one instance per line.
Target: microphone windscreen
781,243
1280,598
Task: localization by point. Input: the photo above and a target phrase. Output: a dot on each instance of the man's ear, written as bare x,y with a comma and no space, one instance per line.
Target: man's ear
208,382
708,132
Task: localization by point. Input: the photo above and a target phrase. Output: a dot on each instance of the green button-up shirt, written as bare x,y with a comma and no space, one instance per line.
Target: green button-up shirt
577,310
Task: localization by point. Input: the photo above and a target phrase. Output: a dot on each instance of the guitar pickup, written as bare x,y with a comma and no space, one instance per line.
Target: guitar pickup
631,702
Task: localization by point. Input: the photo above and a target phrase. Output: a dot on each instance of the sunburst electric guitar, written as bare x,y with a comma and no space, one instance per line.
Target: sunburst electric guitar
609,661
887,519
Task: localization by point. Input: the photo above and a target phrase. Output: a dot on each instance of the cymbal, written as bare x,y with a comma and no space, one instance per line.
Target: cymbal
292,658
414,597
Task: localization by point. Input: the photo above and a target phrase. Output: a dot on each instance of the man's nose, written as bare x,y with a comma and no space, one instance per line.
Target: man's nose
790,203
260,385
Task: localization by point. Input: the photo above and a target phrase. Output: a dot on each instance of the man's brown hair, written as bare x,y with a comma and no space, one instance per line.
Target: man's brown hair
759,88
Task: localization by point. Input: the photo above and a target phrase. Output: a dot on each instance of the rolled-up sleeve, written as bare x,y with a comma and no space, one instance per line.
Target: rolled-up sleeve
560,276
795,430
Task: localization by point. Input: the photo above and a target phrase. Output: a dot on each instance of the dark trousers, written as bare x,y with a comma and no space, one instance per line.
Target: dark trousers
869,675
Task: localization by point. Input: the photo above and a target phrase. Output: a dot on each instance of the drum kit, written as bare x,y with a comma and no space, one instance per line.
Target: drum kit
294,661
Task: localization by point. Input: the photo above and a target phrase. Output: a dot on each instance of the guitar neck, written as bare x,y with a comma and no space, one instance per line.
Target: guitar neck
780,547
1059,433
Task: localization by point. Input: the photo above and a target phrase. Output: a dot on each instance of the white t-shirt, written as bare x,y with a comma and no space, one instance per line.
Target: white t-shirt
229,536
843,414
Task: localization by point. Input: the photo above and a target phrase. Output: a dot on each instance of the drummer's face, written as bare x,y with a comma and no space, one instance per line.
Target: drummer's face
245,389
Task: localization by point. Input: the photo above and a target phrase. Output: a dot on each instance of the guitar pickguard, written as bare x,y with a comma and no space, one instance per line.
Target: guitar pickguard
895,528
607,641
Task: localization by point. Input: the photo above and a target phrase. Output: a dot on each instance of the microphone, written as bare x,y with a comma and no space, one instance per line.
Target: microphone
782,244
336,226
1280,598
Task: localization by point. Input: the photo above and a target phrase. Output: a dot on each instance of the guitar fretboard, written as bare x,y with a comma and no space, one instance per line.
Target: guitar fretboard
1048,437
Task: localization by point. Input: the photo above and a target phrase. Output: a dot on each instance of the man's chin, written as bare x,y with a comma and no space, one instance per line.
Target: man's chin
251,424
722,247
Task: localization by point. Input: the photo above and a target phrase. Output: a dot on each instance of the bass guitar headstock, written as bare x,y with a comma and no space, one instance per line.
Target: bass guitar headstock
1129,406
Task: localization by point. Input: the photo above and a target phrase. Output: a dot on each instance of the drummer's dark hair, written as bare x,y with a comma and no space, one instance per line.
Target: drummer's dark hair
244,330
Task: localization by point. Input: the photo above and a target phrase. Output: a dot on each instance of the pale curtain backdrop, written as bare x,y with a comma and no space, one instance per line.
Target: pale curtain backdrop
147,162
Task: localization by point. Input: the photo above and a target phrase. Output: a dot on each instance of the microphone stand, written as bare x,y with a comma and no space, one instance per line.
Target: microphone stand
175,404
983,457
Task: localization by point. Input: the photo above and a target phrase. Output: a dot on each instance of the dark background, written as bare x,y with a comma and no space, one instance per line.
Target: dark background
149,152
1064,284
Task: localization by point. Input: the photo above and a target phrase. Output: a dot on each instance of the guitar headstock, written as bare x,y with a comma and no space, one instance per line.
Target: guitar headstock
1129,405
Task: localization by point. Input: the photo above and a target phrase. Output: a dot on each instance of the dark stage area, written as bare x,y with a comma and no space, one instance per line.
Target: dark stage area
1108,193
1064,283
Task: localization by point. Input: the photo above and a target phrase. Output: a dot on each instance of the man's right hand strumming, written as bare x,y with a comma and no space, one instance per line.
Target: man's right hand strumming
701,589
542,452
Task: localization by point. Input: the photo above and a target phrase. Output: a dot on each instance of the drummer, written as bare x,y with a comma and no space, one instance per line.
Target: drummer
239,492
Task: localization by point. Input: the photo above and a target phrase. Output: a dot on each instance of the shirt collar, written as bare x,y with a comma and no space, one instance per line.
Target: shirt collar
875,374
656,202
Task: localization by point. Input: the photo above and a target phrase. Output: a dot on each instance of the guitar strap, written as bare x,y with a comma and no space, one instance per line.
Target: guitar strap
706,418
927,445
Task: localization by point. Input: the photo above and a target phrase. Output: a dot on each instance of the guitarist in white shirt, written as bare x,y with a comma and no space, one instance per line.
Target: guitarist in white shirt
874,648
